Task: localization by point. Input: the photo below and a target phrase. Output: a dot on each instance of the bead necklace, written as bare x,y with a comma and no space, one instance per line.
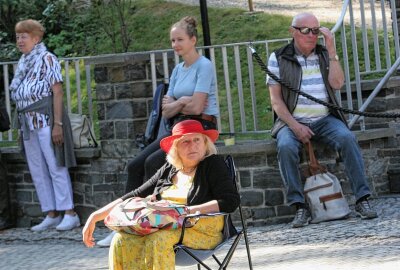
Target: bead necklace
188,171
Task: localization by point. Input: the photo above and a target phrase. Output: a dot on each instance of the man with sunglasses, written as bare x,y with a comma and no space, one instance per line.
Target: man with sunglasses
316,70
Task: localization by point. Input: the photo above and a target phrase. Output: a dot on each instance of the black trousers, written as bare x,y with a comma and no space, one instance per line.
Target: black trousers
5,209
145,165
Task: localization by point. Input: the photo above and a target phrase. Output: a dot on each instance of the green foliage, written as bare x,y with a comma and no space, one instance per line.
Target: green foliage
59,43
12,11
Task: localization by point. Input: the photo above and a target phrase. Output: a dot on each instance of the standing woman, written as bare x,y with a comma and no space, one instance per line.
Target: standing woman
46,133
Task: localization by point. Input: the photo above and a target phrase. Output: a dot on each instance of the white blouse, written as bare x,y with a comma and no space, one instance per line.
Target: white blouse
37,85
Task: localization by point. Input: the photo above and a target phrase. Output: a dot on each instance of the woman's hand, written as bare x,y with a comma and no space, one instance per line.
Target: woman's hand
185,100
170,107
57,135
101,214
87,231
167,100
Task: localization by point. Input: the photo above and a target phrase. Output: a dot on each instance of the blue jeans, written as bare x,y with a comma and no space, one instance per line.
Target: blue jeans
333,132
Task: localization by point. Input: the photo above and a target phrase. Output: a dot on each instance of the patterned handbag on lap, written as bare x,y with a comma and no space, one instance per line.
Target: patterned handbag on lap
141,216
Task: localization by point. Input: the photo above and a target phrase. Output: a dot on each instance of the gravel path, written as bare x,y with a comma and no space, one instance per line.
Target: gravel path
326,10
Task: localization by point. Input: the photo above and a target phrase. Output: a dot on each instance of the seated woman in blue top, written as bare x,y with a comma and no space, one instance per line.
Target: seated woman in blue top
191,95
191,92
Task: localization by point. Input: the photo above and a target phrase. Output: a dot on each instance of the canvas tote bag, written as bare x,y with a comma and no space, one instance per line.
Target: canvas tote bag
82,131
323,192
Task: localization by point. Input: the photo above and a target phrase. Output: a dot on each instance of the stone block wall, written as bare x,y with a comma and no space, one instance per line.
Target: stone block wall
123,100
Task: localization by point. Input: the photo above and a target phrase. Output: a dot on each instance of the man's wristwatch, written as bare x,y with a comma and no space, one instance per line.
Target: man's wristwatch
335,58
58,123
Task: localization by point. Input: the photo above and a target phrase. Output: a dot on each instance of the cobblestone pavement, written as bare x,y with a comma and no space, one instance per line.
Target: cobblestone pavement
346,244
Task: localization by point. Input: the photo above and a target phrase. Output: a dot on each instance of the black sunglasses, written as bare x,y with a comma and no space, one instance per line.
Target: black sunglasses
307,30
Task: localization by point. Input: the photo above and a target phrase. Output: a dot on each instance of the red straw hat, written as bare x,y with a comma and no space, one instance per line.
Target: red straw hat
184,128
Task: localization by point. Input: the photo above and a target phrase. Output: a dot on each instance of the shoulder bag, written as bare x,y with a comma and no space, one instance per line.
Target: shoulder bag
141,217
82,131
323,192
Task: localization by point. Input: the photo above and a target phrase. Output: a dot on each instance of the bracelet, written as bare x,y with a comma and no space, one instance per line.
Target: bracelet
58,123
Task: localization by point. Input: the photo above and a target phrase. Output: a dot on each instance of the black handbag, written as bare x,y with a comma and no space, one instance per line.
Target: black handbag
4,119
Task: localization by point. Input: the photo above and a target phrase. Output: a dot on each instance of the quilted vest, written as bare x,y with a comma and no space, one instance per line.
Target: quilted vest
290,72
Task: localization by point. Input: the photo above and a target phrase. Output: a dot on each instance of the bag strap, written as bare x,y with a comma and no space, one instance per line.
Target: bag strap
165,206
139,204
91,131
314,166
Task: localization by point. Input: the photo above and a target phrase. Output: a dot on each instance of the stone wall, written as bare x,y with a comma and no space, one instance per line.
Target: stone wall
123,100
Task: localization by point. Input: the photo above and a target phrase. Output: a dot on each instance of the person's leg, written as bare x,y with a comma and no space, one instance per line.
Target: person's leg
6,221
136,167
155,251
153,163
288,148
42,181
334,132
60,179
39,172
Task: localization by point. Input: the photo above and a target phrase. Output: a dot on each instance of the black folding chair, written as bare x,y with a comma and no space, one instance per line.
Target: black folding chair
185,256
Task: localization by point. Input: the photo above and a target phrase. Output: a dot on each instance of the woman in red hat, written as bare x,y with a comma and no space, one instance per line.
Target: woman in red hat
195,176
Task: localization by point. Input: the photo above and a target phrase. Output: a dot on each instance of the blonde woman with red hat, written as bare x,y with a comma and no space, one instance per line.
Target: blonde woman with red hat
193,175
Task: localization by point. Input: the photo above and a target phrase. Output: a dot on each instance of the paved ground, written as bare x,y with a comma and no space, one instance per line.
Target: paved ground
325,10
346,244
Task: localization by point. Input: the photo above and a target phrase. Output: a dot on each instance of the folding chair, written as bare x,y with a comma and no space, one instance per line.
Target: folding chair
185,256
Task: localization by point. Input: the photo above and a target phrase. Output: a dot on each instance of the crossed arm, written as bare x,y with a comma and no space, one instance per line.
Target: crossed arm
190,105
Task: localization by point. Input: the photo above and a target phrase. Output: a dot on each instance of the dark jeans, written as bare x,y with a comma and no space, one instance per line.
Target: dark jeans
333,132
149,160
5,210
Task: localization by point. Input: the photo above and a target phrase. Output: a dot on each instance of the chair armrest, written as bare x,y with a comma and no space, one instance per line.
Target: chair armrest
198,216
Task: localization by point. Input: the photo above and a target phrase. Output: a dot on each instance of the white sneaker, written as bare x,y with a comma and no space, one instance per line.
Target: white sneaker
69,222
47,223
106,242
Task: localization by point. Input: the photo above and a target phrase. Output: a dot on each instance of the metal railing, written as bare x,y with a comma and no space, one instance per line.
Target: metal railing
382,36
79,98
242,94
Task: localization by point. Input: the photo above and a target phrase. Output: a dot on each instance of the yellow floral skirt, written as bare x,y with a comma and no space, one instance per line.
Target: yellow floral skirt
155,251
